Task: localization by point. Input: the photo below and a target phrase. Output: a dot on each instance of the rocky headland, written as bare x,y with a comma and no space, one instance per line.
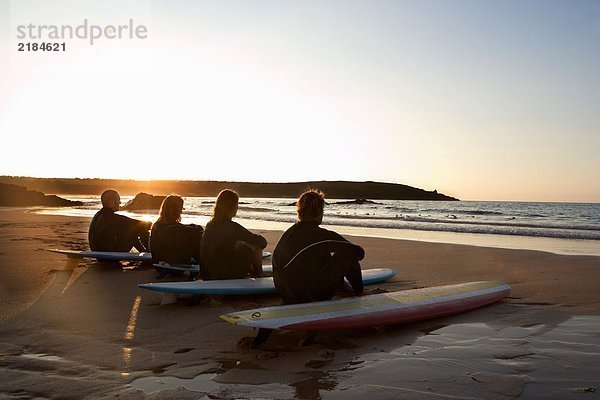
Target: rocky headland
19,196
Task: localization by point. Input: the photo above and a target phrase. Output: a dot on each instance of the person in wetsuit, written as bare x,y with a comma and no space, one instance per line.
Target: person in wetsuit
114,232
309,262
228,250
170,240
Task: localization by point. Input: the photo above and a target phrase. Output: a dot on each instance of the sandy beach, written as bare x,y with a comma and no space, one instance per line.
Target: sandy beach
77,330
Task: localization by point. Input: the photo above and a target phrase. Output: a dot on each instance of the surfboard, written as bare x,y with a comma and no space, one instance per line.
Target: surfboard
196,268
105,255
115,255
374,310
246,286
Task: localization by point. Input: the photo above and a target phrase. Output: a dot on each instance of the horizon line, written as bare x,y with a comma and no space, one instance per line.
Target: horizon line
298,182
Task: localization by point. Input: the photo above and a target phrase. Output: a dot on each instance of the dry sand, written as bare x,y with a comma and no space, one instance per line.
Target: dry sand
84,330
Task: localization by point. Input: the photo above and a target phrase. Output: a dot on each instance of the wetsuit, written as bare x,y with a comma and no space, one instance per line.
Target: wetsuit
310,263
114,232
175,243
219,258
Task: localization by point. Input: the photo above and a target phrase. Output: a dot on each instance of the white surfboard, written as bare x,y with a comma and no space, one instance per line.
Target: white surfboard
105,255
115,255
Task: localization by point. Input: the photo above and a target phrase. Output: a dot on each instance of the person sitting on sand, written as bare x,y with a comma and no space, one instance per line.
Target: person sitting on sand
114,232
228,250
309,262
170,240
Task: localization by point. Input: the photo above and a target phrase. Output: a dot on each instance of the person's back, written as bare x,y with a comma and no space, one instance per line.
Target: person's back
310,237
113,232
228,250
102,234
309,262
175,243
170,240
221,258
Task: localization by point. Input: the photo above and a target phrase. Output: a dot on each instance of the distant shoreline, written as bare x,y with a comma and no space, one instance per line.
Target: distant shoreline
332,189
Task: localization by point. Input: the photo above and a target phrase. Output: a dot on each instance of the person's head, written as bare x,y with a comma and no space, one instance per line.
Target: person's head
171,209
226,205
310,206
111,199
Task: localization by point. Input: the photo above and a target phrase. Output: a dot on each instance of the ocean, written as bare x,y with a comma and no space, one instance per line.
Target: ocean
564,228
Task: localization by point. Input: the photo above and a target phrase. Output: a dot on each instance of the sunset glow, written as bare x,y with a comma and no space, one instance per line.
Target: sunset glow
479,100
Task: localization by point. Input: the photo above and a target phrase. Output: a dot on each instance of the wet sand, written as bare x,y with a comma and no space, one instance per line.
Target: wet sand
73,330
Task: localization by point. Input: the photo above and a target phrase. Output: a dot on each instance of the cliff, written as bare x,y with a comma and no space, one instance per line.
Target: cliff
19,196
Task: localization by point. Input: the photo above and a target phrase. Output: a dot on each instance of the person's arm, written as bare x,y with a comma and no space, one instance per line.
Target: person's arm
126,222
245,235
336,244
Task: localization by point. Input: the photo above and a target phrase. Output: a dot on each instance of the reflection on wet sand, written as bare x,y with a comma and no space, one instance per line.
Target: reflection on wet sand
481,361
126,361
205,384
311,388
507,357
129,334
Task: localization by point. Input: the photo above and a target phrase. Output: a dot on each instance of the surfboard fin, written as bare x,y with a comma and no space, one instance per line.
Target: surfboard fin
310,338
261,337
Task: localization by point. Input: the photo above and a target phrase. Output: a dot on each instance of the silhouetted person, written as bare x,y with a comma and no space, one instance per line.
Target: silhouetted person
309,262
114,232
170,240
228,250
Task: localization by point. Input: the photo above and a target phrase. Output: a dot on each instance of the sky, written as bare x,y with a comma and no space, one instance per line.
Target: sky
480,100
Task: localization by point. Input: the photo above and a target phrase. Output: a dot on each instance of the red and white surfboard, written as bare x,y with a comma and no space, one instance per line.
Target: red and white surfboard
373,310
